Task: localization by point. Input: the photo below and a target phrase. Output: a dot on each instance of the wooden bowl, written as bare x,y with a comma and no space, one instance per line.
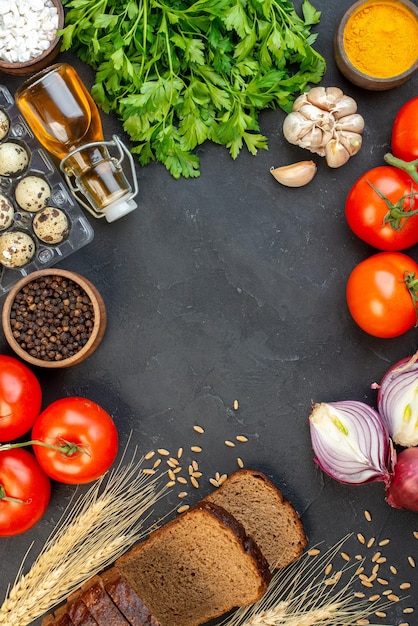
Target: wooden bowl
353,73
30,305
42,60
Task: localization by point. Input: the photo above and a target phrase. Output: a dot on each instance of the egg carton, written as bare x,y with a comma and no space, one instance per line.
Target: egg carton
80,231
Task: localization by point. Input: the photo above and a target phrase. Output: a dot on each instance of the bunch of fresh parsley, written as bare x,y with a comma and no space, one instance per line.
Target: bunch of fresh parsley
178,72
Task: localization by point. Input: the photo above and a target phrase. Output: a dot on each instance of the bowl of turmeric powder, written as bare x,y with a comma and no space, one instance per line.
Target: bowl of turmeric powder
376,43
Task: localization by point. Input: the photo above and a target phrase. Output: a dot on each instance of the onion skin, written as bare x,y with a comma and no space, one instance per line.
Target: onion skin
397,401
351,443
402,490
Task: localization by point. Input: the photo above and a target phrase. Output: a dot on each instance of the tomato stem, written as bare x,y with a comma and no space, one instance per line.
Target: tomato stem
410,167
396,216
5,498
412,284
68,449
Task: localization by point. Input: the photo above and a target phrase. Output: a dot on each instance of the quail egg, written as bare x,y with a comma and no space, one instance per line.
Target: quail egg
32,193
14,158
51,225
6,212
16,249
4,124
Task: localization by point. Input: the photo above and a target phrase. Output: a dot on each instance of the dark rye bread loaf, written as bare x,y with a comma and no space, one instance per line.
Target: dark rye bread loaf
265,513
196,567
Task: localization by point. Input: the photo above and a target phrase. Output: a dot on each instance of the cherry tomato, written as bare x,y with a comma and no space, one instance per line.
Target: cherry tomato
81,422
376,219
405,131
25,491
378,297
20,398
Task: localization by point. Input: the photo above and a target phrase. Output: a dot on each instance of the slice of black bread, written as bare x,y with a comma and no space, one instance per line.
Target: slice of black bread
100,605
267,516
127,601
79,613
196,567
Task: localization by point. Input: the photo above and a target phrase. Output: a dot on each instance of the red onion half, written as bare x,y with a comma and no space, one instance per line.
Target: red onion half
402,490
350,442
397,401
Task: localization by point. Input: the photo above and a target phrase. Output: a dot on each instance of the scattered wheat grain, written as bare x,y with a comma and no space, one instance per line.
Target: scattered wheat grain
163,452
393,569
359,594
183,509
376,556
241,438
157,462
195,466
384,542
380,614
411,561
229,443
172,463
236,405
171,483
368,516
179,453
182,480
198,429
171,475
393,597
361,538
182,494
382,581
374,598
149,455
371,541
345,556
328,569
403,586
240,462
148,471
196,449
194,482
313,552
213,482
408,609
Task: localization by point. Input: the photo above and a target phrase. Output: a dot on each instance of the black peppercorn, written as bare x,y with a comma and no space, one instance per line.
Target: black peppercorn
52,318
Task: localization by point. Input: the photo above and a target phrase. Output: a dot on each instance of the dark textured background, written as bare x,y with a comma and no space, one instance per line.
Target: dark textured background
228,287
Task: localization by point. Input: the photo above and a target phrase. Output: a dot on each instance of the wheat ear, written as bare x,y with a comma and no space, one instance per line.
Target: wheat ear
301,595
94,531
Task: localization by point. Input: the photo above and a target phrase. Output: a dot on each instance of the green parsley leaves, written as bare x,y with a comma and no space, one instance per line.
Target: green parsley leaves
178,73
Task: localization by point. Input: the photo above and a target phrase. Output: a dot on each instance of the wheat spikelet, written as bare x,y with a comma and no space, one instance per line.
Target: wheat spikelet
299,596
93,531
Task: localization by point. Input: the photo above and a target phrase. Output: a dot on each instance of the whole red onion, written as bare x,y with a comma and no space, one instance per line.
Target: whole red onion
402,489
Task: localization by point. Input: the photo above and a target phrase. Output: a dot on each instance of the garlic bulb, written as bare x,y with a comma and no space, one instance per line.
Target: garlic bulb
325,121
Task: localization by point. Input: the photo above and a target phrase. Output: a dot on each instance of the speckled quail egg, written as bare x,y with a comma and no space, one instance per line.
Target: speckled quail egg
51,225
4,124
7,212
32,193
14,158
16,249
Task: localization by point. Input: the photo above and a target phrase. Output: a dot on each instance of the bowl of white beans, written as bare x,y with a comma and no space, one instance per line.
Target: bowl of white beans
29,39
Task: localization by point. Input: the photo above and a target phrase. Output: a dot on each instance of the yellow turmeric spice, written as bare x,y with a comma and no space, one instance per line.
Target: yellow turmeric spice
381,38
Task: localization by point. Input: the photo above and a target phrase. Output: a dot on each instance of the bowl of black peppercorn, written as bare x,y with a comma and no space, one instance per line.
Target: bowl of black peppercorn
53,318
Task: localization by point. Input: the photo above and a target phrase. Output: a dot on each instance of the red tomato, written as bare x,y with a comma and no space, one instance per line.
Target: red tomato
81,422
405,132
20,398
369,215
29,488
378,297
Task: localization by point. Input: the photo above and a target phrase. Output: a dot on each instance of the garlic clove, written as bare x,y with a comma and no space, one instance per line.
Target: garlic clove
352,142
325,97
312,112
353,122
296,174
336,154
345,106
299,101
295,126
313,140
